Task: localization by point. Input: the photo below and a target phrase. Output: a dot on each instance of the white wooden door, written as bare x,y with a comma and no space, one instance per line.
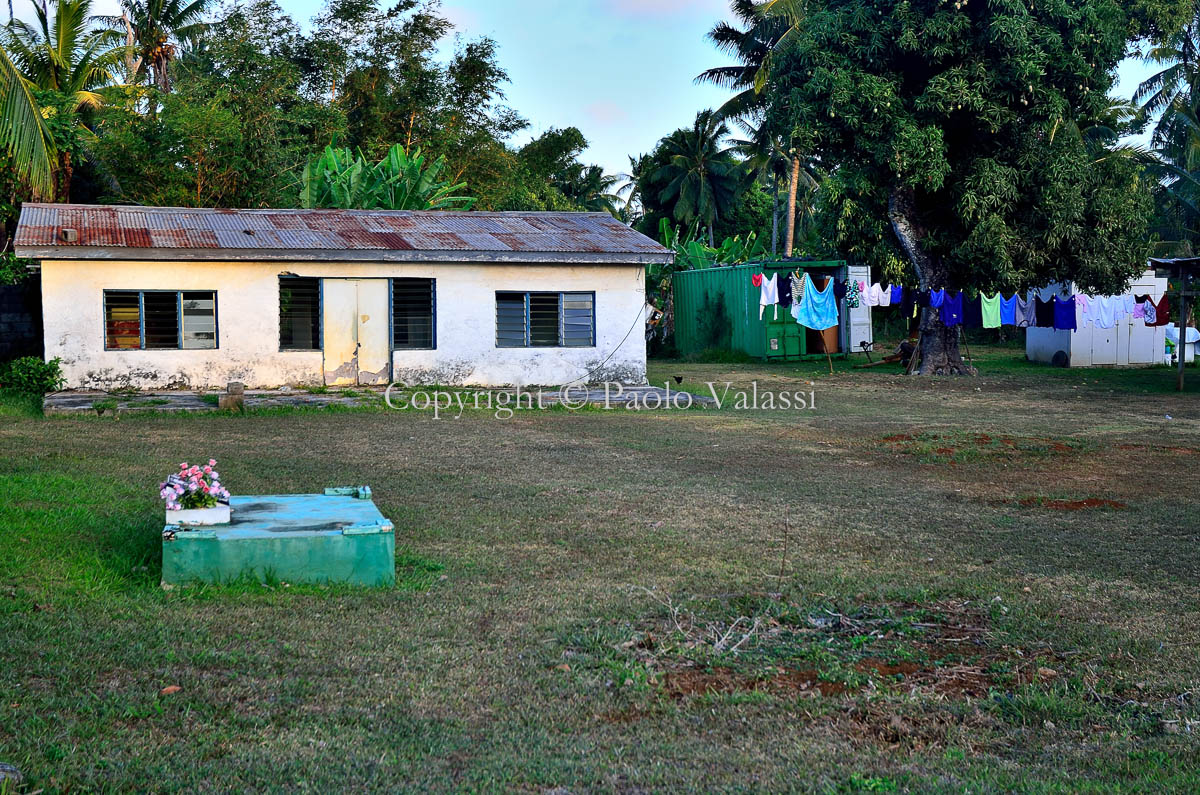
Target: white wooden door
355,329
1104,344
859,327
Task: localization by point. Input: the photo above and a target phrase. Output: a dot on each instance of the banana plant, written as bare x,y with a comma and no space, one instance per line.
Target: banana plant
342,179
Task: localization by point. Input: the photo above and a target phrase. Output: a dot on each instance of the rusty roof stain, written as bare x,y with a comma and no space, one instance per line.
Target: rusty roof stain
175,233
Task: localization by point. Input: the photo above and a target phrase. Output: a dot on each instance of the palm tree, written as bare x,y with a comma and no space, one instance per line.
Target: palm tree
152,29
67,54
751,45
765,153
765,29
591,189
22,129
703,179
632,183
1171,88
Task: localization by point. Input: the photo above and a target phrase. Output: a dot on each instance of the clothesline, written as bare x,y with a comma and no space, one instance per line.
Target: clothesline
812,307
1065,313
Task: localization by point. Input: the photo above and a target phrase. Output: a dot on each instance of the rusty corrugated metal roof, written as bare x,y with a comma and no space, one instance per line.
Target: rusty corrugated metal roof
176,233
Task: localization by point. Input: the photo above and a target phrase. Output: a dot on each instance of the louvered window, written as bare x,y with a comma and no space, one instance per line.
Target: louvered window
413,313
160,319
545,320
299,313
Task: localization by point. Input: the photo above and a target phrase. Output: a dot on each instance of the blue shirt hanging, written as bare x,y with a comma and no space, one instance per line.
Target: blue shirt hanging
952,309
1064,313
1008,310
818,310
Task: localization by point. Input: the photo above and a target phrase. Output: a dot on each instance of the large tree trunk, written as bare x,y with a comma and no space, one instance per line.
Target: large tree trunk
938,347
790,229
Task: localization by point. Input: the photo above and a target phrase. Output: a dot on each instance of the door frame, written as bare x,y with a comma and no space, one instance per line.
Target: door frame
387,326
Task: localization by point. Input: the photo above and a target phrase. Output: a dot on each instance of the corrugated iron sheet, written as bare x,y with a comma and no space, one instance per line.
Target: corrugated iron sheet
42,226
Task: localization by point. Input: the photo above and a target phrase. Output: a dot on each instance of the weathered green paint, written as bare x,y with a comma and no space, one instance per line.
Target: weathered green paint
717,308
300,538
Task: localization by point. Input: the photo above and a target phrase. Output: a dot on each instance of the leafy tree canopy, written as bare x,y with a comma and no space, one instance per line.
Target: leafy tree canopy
958,132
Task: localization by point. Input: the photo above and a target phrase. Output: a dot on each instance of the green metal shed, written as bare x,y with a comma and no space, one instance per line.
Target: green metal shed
717,309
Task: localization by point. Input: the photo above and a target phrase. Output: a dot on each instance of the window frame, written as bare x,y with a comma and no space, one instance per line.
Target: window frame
141,300
562,294
320,314
433,315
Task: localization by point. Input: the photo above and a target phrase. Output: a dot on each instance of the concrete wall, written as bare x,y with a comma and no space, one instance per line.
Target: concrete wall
20,320
248,324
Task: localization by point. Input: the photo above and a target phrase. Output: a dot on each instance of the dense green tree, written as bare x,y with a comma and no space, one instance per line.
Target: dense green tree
956,124
236,130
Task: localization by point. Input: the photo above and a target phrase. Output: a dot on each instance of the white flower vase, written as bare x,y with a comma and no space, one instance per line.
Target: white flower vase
189,517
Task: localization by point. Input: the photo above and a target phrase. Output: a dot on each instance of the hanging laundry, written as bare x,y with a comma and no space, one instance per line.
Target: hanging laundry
885,296
897,294
1008,311
990,305
874,294
952,309
769,295
1162,312
1022,314
923,299
1064,313
853,294
757,280
936,298
908,307
1129,303
818,310
1139,307
839,290
972,312
785,292
1102,310
1043,313
1084,312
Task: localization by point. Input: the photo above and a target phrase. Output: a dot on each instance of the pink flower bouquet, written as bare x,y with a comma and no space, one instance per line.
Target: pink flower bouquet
194,486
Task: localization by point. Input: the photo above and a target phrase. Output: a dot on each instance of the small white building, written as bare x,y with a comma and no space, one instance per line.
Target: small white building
1130,342
156,297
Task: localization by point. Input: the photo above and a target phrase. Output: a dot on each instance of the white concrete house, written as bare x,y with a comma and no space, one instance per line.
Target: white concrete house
158,297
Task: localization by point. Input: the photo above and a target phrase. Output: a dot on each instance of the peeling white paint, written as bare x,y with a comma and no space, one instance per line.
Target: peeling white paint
248,324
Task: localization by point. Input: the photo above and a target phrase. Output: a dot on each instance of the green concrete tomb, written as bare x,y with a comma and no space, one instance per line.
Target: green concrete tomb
335,537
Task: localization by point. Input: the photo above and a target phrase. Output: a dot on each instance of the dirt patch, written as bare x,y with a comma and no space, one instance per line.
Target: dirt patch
947,649
687,683
1071,505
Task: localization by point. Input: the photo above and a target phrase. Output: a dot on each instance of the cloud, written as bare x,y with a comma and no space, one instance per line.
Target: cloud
606,112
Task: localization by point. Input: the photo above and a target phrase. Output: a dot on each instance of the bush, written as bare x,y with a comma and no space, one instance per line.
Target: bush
13,269
31,376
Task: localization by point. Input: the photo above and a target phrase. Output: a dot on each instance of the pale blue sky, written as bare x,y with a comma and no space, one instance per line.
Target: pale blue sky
622,71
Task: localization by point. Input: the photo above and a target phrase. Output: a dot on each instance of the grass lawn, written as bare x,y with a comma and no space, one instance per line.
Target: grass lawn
985,584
